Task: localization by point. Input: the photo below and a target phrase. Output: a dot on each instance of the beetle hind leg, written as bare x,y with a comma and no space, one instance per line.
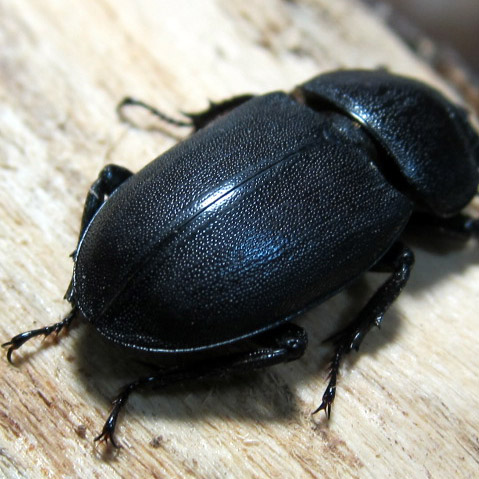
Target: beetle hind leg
398,260
195,120
130,101
109,179
285,343
18,340
215,110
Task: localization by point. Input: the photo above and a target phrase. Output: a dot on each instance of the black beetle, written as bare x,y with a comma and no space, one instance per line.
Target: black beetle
274,204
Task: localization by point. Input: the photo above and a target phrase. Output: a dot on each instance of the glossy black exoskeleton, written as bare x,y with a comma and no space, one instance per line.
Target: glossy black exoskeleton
274,204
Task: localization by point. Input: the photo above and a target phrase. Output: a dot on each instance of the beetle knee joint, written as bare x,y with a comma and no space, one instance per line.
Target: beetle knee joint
294,341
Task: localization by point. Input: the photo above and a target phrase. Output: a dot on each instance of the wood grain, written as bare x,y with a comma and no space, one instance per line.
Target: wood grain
407,406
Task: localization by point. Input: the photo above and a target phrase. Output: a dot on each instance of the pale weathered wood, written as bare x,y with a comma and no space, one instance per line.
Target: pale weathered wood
407,407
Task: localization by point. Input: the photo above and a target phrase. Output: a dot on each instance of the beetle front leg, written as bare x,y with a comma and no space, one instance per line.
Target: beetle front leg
285,343
399,259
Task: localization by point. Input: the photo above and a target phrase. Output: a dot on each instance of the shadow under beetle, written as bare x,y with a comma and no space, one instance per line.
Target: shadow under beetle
275,203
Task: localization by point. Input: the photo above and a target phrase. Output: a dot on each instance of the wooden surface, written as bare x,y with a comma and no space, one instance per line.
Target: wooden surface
406,407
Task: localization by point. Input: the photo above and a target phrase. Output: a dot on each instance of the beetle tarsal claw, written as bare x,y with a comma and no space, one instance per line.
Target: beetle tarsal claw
17,341
11,348
106,437
324,406
328,398
107,433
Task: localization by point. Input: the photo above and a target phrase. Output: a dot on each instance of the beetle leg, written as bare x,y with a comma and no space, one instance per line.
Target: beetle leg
459,226
285,343
196,120
398,260
215,110
109,179
18,340
129,101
